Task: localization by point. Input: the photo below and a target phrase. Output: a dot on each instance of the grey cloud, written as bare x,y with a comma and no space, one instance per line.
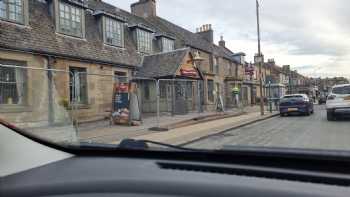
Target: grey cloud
296,25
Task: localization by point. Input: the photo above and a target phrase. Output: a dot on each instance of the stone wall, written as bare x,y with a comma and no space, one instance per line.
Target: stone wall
34,110
39,110
100,80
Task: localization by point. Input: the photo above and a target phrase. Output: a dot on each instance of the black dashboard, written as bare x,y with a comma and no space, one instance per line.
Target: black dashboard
120,176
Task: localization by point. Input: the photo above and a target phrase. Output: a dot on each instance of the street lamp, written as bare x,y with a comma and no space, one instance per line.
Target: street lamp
259,59
197,60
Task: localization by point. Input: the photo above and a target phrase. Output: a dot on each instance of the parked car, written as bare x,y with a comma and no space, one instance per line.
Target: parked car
322,99
296,103
338,102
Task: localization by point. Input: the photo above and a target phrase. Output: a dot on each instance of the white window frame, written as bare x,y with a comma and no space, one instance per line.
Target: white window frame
144,40
7,5
167,44
115,29
75,86
20,84
66,20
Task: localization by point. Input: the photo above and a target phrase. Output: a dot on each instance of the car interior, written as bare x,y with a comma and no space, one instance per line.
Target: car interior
43,169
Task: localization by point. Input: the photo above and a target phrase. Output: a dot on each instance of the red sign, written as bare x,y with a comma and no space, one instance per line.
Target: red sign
122,88
249,70
189,72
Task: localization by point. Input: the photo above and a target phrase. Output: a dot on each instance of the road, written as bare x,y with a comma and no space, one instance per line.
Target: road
292,132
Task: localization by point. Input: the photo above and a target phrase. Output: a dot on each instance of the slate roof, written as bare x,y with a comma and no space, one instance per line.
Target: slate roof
188,38
41,37
162,64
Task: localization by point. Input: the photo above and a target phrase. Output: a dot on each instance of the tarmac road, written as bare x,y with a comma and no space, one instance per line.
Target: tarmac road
295,131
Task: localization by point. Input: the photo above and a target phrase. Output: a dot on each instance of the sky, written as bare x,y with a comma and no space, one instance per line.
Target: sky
313,36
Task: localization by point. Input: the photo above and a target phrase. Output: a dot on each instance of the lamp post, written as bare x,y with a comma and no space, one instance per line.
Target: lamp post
259,59
197,60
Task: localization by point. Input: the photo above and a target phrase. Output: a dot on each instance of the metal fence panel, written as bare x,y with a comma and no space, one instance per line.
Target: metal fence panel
37,100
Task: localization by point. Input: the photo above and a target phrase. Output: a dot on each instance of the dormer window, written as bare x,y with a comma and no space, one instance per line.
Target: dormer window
70,20
113,32
144,40
167,44
12,10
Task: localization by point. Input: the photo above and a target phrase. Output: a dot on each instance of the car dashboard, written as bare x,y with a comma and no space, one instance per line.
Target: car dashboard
118,176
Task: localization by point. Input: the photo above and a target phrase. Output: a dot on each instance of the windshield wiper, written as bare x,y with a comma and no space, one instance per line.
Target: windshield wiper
144,145
126,144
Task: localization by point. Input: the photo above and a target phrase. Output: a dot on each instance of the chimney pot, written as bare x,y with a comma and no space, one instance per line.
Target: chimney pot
206,32
222,42
144,8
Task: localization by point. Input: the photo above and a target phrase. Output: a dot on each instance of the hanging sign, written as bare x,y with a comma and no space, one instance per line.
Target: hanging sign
190,72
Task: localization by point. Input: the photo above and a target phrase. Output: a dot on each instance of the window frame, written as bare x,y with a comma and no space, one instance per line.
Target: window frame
24,75
141,33
70,20
24,13
210,94
163,91
71,86
167,44
216,65
147,92
121,77
122,29
230,69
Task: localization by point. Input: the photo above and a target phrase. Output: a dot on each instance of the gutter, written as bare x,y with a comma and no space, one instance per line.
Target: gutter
69,57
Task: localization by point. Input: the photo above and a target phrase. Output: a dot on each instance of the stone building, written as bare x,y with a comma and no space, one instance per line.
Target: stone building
218,67
99,44
68,36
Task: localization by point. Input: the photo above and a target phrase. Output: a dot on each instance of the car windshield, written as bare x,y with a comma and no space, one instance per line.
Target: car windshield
341,90
192,74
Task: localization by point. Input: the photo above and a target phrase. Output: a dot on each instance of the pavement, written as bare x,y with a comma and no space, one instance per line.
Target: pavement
311,132
102,132
189,134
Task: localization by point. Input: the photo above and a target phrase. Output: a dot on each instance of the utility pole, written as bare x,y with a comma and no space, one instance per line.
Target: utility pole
260,60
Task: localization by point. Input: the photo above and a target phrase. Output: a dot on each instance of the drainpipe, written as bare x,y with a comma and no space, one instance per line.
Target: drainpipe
51,110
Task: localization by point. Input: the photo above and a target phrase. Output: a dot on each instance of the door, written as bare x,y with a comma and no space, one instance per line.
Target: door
180,98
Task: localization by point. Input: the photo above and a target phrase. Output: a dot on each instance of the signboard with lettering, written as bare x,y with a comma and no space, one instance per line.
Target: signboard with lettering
120,110
249,70
190,72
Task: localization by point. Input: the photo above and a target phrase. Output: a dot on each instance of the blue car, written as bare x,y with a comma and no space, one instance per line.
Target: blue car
296,103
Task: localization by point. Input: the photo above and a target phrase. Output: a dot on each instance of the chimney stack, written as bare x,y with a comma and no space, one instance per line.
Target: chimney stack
271,61
144,8
206,32
222,42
